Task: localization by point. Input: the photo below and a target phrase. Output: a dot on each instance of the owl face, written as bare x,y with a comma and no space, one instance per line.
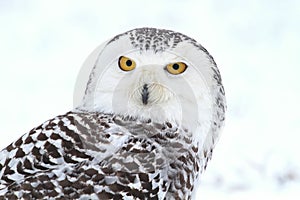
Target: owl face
153,74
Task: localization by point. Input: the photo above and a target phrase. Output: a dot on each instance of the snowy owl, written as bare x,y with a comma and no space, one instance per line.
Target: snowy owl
146,126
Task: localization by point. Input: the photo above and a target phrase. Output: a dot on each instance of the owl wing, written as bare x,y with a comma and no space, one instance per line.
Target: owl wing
79,154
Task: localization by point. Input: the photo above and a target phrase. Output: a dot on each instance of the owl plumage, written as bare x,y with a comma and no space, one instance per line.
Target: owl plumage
147,124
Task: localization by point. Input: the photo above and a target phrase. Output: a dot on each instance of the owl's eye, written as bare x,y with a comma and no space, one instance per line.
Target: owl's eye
176,68
126,64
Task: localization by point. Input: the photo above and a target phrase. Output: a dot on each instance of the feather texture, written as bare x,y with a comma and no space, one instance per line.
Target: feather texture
97,155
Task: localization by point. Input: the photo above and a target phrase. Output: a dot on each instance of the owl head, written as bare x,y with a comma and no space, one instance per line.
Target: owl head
155,74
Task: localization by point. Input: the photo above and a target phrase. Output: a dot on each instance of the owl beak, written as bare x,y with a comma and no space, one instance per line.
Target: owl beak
145,94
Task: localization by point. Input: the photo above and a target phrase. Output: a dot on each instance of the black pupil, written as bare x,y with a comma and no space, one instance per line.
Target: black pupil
175,66
128,63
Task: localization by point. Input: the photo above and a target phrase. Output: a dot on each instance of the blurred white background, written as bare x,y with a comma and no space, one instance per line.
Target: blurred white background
255,44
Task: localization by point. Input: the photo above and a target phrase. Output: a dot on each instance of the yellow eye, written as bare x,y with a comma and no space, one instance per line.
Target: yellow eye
126,64
176,68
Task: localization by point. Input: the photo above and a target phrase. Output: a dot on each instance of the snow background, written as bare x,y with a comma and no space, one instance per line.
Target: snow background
255,44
